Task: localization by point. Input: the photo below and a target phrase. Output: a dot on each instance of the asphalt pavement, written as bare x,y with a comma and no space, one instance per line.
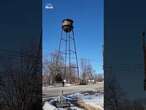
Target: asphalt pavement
52,91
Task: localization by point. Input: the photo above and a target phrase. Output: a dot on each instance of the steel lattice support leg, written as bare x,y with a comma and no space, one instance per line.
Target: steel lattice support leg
68,52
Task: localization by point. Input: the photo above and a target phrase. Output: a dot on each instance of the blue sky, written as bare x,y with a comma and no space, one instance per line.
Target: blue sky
88,28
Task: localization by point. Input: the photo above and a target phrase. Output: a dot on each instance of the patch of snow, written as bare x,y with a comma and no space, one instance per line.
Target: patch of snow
67,84
76,108
48,106
93,99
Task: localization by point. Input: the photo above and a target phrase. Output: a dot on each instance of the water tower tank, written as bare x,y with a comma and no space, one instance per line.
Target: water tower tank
67,25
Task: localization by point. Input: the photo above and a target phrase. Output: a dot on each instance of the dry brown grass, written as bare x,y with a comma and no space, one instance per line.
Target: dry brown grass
87,106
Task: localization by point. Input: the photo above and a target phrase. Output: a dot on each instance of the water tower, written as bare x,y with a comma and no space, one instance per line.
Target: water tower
67,48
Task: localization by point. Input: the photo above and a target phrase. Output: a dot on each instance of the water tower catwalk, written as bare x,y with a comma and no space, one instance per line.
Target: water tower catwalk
67,48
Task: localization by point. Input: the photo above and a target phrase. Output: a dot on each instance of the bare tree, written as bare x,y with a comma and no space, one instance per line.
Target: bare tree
137,105
56,70
71,74
45,75
114,95
87,71
55,66
99,77
21,82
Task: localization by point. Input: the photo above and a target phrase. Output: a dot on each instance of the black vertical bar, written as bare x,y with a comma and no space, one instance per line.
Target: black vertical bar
144,51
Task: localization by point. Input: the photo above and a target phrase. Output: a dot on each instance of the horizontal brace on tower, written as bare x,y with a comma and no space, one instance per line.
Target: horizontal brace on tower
70,67
68,52
67,39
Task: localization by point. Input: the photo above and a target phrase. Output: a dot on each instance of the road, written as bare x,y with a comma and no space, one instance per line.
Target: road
56,91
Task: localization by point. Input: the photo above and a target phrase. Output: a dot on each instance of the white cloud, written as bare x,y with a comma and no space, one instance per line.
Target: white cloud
49,6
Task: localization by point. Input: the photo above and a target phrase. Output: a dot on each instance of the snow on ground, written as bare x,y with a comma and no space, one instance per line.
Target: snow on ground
95,100
48,106
91,98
